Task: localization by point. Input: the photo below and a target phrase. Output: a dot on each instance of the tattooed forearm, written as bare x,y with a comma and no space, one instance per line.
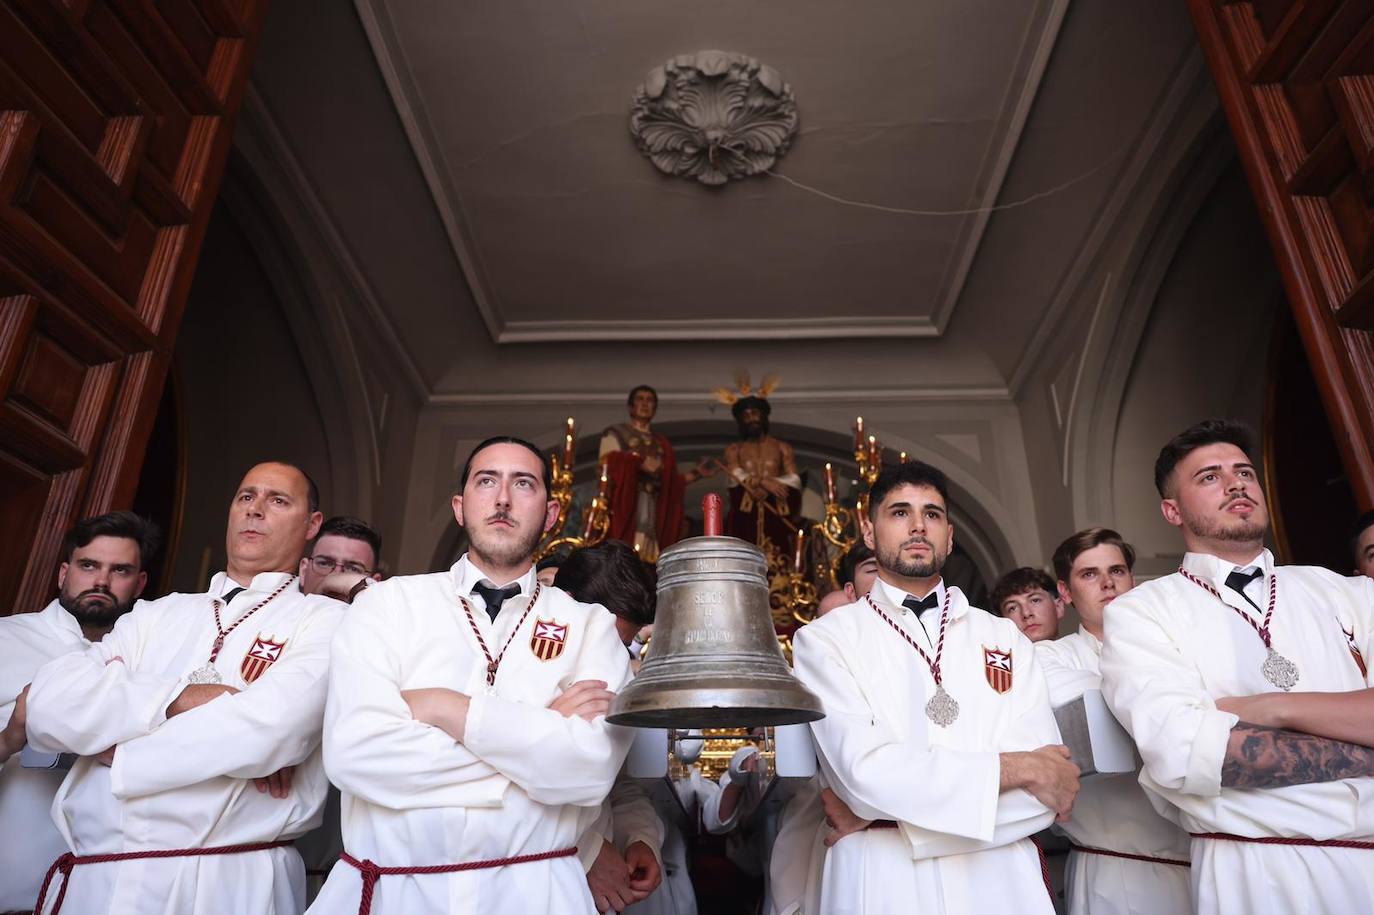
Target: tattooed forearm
1263,757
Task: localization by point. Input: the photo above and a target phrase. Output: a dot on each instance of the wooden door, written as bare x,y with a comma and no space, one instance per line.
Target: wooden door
115,121
1296,79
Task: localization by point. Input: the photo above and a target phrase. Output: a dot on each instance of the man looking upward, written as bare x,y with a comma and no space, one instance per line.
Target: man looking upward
1281,820
465,726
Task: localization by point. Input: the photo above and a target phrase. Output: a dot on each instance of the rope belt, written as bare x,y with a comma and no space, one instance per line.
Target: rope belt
1279,840
372,872
67,861
1148,859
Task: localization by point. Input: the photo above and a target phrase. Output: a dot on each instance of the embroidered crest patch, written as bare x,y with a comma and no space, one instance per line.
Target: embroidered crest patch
1354,647
997,668
548,639
261,656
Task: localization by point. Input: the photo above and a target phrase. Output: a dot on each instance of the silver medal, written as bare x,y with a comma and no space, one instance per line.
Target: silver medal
1280,671
206,674
942,709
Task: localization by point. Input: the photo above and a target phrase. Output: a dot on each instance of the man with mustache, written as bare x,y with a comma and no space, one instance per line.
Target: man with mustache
1126,858
198,718
937,732
1280,814
100,577
466,721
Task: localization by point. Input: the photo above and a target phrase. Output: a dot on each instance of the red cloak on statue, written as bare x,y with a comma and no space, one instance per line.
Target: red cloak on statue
622,473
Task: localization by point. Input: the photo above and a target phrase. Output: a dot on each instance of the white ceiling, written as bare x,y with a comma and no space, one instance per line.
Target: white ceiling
518,115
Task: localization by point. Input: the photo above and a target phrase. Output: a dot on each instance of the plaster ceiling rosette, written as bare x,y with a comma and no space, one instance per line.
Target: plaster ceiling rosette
713,117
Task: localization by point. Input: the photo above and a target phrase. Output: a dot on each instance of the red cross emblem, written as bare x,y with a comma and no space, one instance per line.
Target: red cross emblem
1354,647
548,639
997,668
261,656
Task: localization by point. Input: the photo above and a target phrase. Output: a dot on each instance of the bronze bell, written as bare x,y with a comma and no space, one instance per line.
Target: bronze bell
714,660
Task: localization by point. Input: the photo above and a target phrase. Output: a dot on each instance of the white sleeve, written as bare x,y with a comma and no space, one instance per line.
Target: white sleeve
273,723
1064,683
88,701
633,817
1159,697
793,874
373,748
935,789
709,795
577,760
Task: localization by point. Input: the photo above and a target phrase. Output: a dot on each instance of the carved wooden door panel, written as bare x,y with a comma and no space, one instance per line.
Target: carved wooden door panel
1296,79
115,122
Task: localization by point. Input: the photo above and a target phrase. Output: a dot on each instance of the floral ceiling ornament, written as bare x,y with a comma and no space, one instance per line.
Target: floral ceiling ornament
713,116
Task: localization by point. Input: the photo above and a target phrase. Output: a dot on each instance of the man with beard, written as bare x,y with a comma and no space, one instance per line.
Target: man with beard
466,719
765,489
189,715
937,732
646,490
100,578
1281,820
1126,859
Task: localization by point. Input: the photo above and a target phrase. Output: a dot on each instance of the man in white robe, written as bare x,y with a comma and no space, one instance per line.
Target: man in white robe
952,795
1184,652
186,715
1126,859
466,720
100,578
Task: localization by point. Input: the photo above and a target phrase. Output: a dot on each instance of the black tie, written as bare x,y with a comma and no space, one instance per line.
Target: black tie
1237,581
929,602
495,596
226,598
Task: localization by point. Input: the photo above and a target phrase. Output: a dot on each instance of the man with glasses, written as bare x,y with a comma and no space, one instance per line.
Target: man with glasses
342,560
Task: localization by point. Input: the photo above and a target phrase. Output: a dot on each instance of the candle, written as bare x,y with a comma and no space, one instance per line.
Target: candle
553,459
602,486
569,446
710,510
829,483
858,433
902,457
590,523
799,558
873,452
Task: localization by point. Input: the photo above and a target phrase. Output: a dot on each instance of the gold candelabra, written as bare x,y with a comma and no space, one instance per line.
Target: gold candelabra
841,527
597,521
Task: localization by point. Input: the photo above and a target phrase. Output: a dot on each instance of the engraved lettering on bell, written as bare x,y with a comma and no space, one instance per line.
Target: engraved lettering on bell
713,116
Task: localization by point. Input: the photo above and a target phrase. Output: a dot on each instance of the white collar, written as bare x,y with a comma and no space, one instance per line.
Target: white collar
61,618
466,576
265,582
1092,641
1214,569
894,596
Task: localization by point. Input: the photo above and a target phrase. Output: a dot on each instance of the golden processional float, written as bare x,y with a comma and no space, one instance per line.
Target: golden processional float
718,664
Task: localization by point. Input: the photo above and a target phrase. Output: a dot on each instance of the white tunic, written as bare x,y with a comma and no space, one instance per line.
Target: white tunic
27,642
962,845
798,856
1112,813
186,782
525,780
678,805
1171,649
